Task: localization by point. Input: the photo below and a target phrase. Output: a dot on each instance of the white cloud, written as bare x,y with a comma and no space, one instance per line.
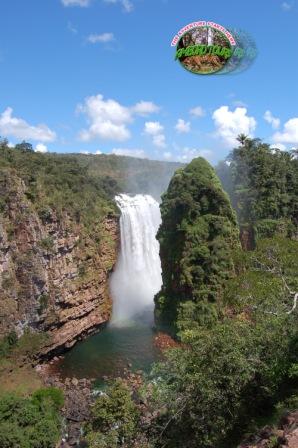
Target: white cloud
127,5
197,111
187,154
286,6
230,124
182,126
20,129
83,3
159,140
275,122
139,153
289,133
155,129
40,147
144,108
278,146
102,38
107,119
98,152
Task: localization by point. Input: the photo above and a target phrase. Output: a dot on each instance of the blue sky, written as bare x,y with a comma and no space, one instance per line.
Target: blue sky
99,76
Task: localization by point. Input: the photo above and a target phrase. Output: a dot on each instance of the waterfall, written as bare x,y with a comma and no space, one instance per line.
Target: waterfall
137,276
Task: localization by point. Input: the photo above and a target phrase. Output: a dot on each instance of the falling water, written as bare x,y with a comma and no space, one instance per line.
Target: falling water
137,277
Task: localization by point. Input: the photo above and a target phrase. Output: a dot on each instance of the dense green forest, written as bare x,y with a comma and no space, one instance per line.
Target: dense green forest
229,299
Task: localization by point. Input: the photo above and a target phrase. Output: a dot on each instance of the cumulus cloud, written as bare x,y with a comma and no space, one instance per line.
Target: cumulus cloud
182,126
155,130
145,108
229,124
98,152
40,147
275,122
289,133
82,3
108,119
101,38
159,140
139,153
20,129
197,111
127,5
187,154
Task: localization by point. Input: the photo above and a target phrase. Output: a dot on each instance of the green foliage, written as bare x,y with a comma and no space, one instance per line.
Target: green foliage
262,183
7,344
43,303
49,394
47,243
29,345
197,234
244,346
114,418
24,147
30,422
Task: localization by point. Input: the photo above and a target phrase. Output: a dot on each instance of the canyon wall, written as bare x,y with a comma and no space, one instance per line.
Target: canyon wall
53,275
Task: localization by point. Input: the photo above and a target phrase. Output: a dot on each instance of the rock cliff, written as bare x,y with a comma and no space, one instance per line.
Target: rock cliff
53,274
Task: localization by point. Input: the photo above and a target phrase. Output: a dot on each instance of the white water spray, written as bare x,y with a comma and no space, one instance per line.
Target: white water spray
137,276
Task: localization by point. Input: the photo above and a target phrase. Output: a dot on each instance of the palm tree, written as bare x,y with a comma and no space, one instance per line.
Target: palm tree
242,139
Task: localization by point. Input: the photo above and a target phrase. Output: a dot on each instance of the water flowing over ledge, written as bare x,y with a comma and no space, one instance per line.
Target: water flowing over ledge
137,276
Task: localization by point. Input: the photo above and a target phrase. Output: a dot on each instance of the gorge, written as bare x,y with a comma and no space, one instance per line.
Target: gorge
77,235
128,337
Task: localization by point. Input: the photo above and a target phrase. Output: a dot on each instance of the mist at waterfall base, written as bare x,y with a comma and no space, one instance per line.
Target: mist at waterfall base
128,339
137,276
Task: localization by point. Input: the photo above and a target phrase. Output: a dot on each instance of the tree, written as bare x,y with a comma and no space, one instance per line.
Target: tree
114,418
30,422
24,147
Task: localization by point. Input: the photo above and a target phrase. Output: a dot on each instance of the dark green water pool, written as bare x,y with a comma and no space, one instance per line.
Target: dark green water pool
112,350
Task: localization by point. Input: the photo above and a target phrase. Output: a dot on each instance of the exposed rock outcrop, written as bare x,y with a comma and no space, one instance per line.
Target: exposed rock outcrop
53,274
284,436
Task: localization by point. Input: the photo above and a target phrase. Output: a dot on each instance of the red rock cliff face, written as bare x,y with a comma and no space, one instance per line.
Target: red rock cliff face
53,276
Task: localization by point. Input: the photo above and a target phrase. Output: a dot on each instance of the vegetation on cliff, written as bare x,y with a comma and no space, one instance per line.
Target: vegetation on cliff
197,235
240,356
263,186
231,370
